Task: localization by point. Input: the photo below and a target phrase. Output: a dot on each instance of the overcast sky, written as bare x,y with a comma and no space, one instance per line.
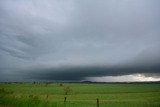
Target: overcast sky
95,40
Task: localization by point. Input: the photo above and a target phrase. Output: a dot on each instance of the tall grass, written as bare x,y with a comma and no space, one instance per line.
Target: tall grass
82,95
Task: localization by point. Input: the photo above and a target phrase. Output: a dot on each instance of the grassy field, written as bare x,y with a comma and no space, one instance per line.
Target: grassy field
82,95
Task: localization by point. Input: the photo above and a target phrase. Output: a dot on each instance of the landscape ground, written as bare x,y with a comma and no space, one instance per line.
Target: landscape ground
79,95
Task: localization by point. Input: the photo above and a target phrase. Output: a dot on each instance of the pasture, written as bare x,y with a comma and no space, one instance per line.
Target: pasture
79,95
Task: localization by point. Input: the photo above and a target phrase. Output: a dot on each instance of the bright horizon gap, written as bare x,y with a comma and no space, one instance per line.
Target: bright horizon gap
124,78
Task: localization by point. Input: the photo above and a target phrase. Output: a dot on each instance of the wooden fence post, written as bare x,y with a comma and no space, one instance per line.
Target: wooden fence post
97,102
65,98
47,97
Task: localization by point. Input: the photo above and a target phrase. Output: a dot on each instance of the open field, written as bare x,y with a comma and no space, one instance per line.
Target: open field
81,95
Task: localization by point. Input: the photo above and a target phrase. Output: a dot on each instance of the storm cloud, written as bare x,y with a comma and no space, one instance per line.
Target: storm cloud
77,39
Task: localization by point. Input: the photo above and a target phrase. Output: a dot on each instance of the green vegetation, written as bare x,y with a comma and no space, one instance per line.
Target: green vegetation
82,95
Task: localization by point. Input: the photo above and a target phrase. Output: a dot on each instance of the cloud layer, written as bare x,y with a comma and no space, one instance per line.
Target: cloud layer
72,40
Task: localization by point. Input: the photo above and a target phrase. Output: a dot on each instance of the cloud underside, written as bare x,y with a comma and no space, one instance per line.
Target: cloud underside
81,73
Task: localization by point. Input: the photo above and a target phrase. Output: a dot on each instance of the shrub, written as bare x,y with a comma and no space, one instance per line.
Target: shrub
67,89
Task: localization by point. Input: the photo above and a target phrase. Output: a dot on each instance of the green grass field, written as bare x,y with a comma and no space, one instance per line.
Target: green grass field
82,95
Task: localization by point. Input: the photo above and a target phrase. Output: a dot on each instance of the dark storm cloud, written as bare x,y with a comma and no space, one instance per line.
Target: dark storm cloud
71,40
80,73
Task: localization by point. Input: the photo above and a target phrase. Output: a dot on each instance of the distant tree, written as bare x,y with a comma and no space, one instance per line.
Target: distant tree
60,84
67,89
34,82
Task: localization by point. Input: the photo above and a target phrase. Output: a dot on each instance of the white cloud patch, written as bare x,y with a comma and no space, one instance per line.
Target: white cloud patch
124,78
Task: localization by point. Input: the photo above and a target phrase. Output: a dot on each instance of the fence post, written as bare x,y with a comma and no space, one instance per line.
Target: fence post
47,100
97,102
47,97
65,98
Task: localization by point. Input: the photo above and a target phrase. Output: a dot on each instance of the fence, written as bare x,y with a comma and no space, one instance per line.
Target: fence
65,101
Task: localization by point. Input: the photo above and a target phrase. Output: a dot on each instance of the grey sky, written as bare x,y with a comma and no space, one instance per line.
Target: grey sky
76,39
